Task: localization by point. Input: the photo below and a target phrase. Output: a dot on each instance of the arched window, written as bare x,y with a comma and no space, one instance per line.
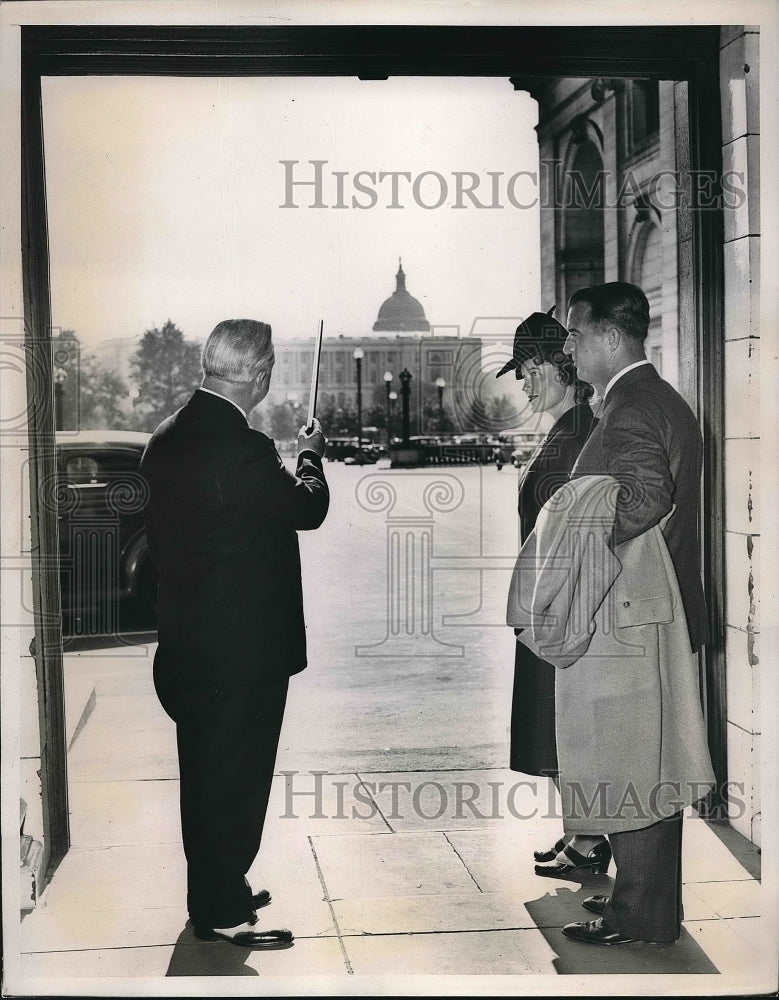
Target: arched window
643,101
646,271
581,252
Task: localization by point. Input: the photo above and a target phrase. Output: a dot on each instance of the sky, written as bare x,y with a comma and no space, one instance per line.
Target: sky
166,199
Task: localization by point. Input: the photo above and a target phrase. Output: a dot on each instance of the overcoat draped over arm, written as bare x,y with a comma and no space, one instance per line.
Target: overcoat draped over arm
631,739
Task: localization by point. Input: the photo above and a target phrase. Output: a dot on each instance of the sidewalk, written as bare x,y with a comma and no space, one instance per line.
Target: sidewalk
391,894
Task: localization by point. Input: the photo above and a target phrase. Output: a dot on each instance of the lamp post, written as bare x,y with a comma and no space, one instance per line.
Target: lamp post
60,378
440,384
392,398
388,387
405,392
358,355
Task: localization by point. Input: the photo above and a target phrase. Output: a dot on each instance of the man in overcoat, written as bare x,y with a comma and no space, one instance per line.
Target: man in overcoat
646,437
222,521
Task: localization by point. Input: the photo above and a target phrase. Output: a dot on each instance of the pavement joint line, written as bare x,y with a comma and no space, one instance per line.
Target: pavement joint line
344,954
456,930
723,881
359,777
462,862
347,934
170,944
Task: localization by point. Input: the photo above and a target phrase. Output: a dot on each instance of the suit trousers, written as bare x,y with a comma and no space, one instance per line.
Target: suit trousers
227,739
646,902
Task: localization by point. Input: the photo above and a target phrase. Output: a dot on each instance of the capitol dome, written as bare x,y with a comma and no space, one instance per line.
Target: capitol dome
401,312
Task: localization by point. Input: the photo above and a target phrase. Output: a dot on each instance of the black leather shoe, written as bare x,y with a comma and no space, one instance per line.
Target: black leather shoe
595,932
551,854
259,899
596,904
246,939
595,863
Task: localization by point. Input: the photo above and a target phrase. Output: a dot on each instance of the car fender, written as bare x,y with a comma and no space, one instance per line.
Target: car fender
134,559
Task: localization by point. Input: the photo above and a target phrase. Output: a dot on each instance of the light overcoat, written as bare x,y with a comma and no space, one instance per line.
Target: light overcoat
631,739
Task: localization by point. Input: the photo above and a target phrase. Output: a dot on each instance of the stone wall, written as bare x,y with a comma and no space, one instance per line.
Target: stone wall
740,152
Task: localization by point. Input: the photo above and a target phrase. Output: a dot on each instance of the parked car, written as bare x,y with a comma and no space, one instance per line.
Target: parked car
361,458
344,449
107,580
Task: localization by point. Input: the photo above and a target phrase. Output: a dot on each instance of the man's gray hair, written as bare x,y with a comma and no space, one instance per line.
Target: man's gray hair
237,349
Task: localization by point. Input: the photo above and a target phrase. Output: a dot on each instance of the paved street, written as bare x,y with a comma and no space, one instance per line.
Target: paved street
398,843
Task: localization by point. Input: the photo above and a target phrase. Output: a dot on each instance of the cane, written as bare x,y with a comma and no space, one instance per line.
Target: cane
315,379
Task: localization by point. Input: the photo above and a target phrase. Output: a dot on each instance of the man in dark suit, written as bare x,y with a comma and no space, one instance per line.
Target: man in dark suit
646,437
222,521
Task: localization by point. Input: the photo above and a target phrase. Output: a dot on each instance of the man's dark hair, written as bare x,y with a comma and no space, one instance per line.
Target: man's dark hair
619,303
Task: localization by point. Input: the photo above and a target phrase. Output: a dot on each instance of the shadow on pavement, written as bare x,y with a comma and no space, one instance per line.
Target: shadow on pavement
552,911
192,957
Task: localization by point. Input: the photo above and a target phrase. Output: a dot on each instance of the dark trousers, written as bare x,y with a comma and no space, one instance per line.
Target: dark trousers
227,741
646,902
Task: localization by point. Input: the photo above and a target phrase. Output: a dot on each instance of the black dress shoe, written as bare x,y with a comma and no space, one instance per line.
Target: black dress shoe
551,854
596,904
595,932
596,862
247,939
259,899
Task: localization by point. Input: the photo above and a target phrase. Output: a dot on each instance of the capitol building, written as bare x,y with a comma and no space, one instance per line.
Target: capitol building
401,339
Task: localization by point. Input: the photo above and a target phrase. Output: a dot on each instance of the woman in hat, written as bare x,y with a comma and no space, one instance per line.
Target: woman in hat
552,387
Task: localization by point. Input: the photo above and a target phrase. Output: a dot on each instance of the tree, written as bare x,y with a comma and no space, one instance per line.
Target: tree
376,416
281,421
502,412
337,421
166,369
490,416
102,393
435,419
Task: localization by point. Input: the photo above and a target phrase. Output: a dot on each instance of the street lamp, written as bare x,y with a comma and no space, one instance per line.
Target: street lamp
405,392
440,384
388,387
60,378
392,398
358,355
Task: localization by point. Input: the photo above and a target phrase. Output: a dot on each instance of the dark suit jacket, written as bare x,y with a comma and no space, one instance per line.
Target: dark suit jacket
221,522
647,437
551,466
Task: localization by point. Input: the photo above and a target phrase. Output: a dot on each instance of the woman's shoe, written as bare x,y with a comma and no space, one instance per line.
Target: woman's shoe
595,863
551,854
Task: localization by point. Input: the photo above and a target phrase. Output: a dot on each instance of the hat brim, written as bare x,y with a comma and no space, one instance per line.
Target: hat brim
508,367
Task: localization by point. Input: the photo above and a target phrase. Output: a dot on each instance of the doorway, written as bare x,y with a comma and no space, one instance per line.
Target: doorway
686,57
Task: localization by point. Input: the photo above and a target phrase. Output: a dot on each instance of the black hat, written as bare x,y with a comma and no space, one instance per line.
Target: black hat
539,335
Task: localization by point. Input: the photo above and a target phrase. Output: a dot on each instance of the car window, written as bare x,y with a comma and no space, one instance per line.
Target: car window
81,469
109,478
